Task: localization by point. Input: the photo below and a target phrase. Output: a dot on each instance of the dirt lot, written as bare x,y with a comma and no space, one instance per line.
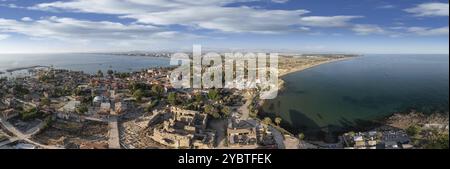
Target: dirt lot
24,126
74,134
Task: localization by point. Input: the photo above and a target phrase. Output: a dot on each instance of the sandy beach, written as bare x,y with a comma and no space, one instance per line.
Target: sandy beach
300,64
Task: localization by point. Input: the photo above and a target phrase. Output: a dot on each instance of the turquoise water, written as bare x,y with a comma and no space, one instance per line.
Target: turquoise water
342,94
89,63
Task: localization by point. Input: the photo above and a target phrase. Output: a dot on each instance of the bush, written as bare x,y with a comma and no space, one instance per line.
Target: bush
440,142
47,122
413,130
172,98
213,94
151,105
158,90
138,94
30,114
82,109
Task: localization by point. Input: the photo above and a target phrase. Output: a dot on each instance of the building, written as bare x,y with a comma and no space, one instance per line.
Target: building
191,118
70,107
120,107
184,129
105,108
239,137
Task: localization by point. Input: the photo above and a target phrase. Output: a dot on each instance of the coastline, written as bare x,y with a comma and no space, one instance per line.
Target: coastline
283,73
305,67
295,69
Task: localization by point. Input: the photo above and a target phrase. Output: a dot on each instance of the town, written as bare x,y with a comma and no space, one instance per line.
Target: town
57,108
62,109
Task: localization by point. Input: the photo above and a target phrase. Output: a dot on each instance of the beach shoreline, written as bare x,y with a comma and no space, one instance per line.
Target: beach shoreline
305,67
295,69
282,73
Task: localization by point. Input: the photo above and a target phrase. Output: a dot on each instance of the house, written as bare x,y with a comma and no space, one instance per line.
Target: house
105,108
372,143
70,107
391,145
358,138
120,107
243,136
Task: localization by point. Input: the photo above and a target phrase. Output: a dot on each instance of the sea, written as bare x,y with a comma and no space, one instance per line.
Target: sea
88,63
344,95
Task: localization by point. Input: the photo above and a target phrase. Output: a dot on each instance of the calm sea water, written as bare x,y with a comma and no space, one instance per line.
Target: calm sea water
89,63
341,94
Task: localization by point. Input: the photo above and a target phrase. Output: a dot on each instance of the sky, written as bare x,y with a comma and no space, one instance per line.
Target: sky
308,26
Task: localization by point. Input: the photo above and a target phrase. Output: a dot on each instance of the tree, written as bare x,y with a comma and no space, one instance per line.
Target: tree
351,133
45,101
226,111
198,97
30,114
151,105
99,73
138,94
213,94
278,121
133,86
110,72
172,98
47,122
267,120
158,90
413,130
211,110
82,109
76,92
301,136
439,141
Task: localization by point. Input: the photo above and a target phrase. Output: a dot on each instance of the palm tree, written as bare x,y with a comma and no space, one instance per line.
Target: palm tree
267,120
301,136
278,121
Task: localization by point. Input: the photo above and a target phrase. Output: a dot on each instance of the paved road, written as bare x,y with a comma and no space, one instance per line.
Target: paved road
28,103
278,137
114,139
25,137
243,110
10,140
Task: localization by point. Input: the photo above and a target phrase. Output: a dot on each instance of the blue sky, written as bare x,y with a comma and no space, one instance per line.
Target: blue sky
324,26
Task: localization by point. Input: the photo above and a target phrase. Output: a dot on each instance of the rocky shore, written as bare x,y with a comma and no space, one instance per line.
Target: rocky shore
405,120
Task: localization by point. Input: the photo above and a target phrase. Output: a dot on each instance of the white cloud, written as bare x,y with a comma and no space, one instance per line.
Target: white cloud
14,6
430,9
327,21
81,30
366,29
422,31
4,36
304,28
280,1
386,7
27,19
128,6
241,19
400,31
202,14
